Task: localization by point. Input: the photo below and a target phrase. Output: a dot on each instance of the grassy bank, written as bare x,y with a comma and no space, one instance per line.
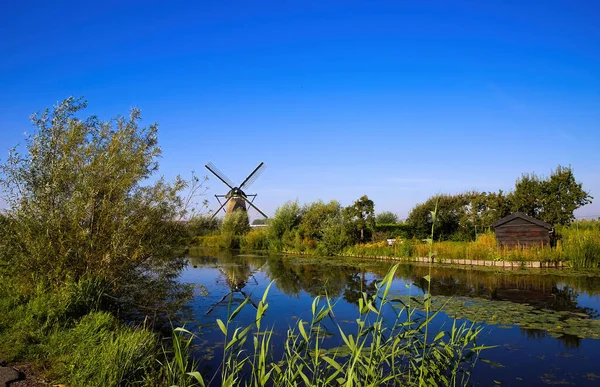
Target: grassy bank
70,340
577,244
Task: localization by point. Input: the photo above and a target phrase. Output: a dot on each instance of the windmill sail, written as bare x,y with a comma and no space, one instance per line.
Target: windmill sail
236,198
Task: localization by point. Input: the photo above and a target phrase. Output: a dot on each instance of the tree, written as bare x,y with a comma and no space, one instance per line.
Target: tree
236,223
314,216
361,216
481,211
527,196
386,217
450,210
80,202
283,223
553,199
334,235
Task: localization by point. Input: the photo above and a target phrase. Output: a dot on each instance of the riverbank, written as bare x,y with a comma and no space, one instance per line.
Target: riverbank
472,262
576,247
459,262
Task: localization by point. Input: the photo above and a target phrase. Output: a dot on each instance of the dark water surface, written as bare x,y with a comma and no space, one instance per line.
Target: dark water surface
545,323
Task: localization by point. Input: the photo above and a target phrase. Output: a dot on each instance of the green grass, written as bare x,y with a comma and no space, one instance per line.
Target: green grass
64,333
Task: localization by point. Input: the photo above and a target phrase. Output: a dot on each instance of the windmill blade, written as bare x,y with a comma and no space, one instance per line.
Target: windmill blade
216,303
249,299
253,206
253,176
220,175
217,211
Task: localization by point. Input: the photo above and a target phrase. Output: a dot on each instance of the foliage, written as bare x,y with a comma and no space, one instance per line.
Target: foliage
86,233
580,243
79,203
553,199
236,223
333,236
314,217
386,217
450,210
281,226
394,230
73,345
178,368
201,225
95,353
256,239
361,217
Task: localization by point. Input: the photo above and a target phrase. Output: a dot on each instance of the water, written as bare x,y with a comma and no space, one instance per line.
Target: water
545,324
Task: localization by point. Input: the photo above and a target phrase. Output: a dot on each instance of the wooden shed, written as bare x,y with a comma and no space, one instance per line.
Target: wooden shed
519,229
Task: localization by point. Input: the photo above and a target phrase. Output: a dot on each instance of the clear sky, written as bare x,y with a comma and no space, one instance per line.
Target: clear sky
398,100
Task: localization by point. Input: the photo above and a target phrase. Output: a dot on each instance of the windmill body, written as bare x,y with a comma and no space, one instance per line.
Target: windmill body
236,198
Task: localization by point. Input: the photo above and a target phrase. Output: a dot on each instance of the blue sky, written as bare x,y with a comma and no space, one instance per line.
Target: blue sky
398,100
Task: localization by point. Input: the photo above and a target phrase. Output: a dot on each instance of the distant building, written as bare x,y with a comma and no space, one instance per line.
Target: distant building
259,223
519,229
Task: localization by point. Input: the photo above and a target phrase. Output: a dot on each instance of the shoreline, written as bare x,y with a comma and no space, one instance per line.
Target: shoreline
460,262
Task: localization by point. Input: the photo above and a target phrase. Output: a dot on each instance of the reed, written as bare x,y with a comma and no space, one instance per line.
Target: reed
377,351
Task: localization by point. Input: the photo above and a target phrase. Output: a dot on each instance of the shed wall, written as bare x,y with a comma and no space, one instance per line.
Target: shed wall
519,232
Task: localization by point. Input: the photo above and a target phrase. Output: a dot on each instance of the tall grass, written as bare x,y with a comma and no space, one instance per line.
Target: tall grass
389,345
581,243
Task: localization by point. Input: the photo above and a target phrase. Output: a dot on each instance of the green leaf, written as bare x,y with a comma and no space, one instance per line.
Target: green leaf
196,375
222,326
302,331
238,309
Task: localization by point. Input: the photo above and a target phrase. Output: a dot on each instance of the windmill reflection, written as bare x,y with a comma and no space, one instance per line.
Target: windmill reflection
236,278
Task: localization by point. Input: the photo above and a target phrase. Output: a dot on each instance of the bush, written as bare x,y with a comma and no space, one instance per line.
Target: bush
395,230
79,202
86,231
201,225
287,218
334,236
256,239
236,223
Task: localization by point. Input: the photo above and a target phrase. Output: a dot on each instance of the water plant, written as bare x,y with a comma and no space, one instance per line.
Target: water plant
389,344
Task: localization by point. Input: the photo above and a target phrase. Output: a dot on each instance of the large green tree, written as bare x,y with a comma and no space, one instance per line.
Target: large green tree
361,217
80,201
553,199
450,210
314,216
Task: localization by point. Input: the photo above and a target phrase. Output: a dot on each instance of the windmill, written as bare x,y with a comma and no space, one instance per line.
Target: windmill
236,198
236,279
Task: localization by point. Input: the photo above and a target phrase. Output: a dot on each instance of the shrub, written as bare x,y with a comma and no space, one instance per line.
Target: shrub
334,236
236,223
79,202
287,218
256,239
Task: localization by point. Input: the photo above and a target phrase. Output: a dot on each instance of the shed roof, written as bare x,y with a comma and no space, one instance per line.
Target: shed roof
521,215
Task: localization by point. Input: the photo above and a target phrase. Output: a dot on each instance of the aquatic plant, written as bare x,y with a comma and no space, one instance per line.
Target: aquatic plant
380,352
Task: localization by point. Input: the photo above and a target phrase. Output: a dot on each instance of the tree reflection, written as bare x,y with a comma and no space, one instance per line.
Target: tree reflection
566,340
